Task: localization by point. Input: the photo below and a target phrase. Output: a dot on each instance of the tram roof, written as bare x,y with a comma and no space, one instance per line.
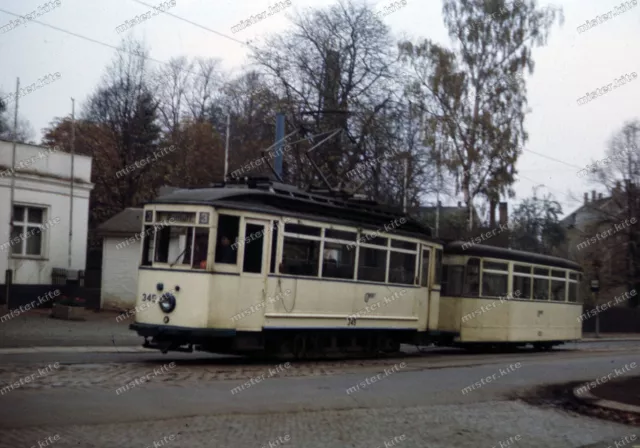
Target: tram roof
277,198
480,250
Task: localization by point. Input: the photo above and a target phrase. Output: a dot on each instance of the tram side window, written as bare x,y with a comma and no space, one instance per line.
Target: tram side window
438,279
372,264
494,284
541,289
227,243
425,268
472,281
558,288
452,280
274,247
253,247
147,245
338,261
573,292
402,268
300,257
523,285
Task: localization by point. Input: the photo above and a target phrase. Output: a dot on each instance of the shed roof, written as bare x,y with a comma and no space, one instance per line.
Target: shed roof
127,222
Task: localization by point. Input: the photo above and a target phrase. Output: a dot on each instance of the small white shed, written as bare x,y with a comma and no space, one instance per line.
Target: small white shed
120,259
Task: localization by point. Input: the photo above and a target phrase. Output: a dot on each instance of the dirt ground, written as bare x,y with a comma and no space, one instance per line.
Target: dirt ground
625,391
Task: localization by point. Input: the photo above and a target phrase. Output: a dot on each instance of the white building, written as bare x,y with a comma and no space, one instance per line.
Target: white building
120,259
39,240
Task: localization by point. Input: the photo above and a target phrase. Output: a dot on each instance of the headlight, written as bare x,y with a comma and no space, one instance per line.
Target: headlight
167,302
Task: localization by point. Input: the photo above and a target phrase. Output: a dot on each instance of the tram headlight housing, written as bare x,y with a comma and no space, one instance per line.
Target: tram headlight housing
167,302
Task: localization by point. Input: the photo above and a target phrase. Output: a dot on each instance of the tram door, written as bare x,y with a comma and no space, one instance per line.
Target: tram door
253,275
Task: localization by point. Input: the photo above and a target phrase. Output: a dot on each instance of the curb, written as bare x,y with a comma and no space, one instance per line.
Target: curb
591,400
590,340
107,349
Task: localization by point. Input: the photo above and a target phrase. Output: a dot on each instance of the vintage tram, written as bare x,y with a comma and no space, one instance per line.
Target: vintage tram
260,267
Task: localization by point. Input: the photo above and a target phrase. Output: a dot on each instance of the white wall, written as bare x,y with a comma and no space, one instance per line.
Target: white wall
41,189
119,274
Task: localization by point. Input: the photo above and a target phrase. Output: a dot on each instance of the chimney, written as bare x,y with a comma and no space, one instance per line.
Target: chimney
593,195
618,187
459,204
504,217
599,196
586,198
492,213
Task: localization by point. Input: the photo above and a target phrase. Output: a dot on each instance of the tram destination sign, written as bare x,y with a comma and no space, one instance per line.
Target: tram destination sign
188,217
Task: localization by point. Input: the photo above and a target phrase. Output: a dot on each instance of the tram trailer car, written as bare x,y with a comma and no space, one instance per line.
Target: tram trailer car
263,267
494,296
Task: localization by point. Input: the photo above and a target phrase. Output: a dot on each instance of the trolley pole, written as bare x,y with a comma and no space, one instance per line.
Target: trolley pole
73,150
595,289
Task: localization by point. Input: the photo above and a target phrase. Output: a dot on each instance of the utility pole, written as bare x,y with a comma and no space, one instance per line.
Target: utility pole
406,181
439,173
73,143
226,148
9,273
595,289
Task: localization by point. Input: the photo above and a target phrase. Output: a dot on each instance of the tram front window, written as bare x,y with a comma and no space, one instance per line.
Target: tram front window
181,245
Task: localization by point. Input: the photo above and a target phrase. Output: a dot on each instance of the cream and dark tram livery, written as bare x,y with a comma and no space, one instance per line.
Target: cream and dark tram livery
492,295
264,267
260,267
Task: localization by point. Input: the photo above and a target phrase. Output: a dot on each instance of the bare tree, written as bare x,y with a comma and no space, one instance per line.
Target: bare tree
618,254
474,95
333,70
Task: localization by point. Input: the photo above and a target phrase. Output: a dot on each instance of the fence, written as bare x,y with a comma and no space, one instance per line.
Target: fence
614,320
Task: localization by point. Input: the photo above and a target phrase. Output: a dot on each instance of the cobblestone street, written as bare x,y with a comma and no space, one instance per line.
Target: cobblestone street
305,405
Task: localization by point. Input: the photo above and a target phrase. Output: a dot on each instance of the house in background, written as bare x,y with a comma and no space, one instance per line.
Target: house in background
606,256
121,248
36,243
454,224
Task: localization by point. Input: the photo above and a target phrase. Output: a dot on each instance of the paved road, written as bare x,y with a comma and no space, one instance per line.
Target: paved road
421,404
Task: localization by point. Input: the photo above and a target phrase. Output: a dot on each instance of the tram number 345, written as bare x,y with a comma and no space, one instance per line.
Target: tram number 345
351,321
149,298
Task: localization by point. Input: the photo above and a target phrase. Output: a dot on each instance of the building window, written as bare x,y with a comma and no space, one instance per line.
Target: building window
372,265
26,234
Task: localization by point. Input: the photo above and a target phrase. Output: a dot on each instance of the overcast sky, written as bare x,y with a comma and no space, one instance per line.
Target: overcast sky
570,65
